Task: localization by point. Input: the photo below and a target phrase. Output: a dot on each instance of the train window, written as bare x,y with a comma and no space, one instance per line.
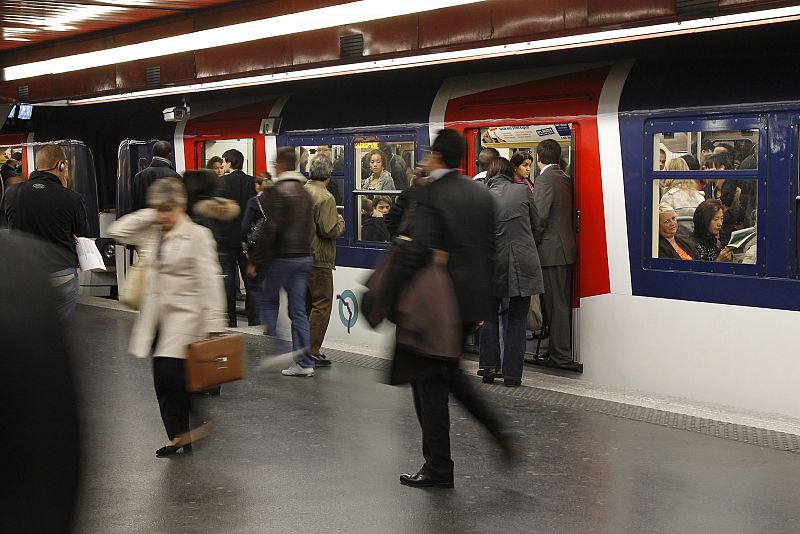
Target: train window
705,196
384,165
711,150
306,155
370,211
508,140
218,148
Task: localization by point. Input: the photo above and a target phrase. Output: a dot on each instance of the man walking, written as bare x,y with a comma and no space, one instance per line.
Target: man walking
283,254
555,240
454,214
44,207
327,226
240,188
160,167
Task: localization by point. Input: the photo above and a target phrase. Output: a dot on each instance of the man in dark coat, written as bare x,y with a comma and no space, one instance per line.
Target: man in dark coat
240,188
555,239
160,167
454,214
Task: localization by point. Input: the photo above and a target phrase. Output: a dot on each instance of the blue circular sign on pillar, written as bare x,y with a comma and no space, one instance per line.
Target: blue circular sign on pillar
348,309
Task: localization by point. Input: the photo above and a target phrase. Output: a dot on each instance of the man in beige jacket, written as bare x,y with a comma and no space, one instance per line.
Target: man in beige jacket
328,225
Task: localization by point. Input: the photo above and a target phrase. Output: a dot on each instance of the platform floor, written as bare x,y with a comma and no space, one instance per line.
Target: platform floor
323,455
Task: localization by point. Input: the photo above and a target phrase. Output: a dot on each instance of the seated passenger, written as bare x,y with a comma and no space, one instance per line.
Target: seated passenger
670,244
682,196
366,207
379,178
374,227
708,218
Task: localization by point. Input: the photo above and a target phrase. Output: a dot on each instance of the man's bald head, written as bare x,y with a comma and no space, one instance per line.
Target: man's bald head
48,158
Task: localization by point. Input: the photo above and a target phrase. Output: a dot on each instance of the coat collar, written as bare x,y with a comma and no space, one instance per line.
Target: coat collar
290,175
181,229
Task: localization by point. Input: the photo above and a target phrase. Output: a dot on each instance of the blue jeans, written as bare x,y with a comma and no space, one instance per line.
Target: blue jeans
291,274
65,286
513,339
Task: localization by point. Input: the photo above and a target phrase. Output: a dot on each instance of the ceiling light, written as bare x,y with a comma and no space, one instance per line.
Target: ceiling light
326,17
529,47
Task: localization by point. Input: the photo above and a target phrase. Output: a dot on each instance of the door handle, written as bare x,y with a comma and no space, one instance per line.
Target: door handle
578,221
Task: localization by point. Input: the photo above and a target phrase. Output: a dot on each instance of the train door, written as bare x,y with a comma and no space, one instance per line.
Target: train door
508,140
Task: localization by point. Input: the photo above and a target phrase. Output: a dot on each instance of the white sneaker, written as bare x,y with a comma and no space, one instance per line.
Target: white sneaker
296,370
280,361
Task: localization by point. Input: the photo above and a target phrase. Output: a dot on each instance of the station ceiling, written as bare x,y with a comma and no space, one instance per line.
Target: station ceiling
30,22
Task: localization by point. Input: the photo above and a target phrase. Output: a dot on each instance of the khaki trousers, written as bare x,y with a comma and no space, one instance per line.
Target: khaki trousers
320,302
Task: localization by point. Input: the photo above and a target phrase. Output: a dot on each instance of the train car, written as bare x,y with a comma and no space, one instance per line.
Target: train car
704,330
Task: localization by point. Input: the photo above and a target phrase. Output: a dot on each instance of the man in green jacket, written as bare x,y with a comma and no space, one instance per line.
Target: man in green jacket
328,225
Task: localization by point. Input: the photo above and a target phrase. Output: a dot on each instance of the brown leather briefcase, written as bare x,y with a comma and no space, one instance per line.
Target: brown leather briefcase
214,361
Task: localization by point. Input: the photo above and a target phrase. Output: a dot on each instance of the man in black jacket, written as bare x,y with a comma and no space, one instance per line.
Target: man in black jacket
160,167
240,188
45,208
454,214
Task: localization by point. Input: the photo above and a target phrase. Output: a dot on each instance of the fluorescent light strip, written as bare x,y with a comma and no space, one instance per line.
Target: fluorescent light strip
771,16
314,19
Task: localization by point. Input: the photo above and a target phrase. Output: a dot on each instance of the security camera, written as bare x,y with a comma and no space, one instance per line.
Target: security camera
176,114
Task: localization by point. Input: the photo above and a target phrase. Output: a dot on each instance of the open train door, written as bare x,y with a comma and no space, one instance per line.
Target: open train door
508,140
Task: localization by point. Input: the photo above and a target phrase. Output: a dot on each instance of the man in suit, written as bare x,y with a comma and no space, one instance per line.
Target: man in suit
160,167
239,187
454,214
555,239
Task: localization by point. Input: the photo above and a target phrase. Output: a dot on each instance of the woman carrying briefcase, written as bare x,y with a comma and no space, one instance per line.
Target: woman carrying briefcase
182,299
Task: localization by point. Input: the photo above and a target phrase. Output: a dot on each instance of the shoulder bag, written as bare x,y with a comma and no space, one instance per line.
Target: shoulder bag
132,289
257,228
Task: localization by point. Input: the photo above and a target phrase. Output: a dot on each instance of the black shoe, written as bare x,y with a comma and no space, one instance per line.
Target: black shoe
497,374
254,322
512,382
321,361
489,375
421,480
169,450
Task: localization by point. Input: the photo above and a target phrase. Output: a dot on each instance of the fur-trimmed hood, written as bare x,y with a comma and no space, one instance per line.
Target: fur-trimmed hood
217,208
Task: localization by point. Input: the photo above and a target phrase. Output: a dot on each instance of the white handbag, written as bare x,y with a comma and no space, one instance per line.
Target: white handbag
131,293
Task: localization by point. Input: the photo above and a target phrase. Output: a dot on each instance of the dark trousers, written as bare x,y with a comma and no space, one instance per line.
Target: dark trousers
430,401
231,260
557,310
173,399
513,338
319,302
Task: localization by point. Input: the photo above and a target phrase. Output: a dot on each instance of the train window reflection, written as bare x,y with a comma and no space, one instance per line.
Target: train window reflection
371,215
721,150
306,155
704,219
382,166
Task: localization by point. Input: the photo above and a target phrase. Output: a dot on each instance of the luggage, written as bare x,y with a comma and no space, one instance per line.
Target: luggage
214,361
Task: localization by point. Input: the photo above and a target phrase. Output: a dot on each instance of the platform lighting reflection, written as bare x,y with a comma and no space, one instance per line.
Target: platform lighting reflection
771,16
68,15
314,19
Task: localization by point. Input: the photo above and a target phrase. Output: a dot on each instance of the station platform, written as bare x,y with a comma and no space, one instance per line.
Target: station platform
324,454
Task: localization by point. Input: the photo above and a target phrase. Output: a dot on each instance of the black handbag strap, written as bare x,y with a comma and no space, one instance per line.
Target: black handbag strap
258,201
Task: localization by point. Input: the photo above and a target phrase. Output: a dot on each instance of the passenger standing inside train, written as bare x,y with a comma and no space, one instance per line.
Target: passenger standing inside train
239,187
160,167
454,214
216,164
485,158
183,299
517,275
283,254
682,195
45,207
555,239
326,227
521,162
379,178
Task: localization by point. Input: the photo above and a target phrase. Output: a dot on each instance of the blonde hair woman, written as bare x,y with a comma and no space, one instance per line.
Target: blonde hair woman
183,298
682,195
671,245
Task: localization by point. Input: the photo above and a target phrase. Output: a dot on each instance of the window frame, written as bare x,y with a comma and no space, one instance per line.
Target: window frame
651,177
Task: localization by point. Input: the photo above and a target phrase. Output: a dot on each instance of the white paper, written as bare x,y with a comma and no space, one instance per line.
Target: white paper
89,257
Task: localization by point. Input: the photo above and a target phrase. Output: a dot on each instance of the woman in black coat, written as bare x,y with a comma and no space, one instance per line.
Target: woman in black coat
517,273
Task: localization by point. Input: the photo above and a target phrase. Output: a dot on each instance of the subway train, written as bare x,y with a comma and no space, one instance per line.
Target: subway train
707,331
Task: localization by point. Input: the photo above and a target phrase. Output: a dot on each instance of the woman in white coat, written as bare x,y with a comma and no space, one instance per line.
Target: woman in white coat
183,297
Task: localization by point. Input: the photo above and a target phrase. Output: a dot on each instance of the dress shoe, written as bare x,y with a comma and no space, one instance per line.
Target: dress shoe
497,374
169,450
254,322
321,361
489,375
422,480
512,382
